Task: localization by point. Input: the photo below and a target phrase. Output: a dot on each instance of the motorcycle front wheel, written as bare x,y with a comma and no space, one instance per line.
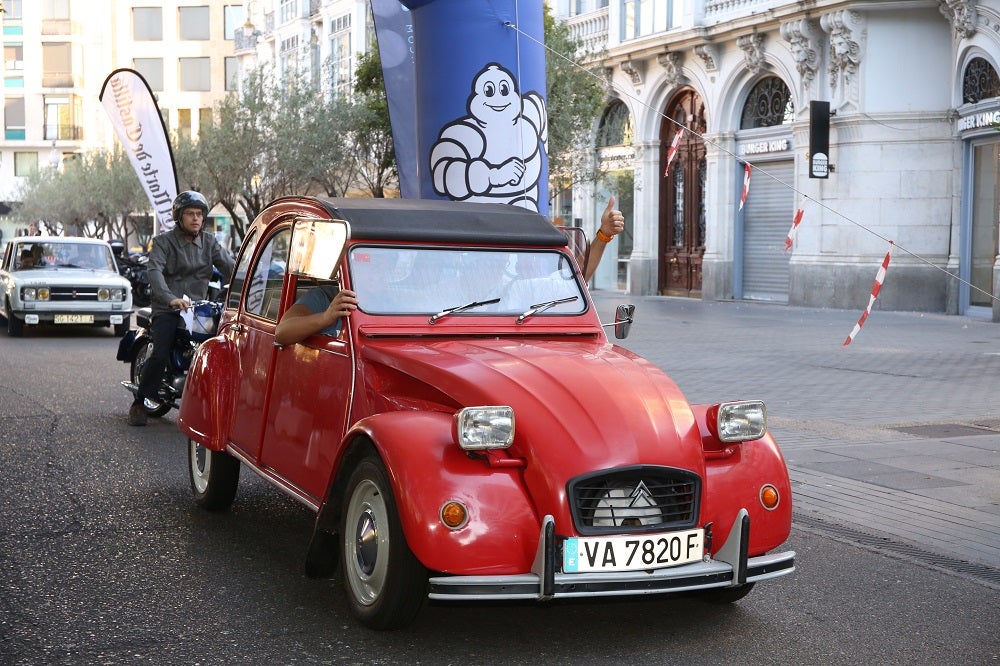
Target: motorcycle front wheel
143,350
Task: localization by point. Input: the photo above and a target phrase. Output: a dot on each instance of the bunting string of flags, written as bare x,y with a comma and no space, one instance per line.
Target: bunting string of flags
790,238
672,153
746,184
876,288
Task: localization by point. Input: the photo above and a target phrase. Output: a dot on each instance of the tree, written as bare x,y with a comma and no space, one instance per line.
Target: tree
576,94
373,134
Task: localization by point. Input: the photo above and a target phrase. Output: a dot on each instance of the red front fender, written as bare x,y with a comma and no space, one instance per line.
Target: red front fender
427,468
209,394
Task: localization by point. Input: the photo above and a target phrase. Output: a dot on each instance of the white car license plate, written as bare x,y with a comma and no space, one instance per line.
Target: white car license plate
632,552
74,318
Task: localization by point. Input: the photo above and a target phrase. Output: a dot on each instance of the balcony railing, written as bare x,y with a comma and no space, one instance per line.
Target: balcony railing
244,39
590,29
63,132
718,8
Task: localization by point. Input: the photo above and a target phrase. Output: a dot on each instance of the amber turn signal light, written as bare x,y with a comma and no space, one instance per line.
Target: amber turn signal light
454,515
769,497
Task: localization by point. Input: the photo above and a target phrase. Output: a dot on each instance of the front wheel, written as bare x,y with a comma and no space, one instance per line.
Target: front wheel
385,583
143,350
215,475
15,327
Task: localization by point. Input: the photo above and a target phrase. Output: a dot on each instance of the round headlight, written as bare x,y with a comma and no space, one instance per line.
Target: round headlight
103,294
29,294
43,293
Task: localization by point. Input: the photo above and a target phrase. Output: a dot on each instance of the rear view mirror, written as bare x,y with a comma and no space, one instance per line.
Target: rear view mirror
317,247
623,320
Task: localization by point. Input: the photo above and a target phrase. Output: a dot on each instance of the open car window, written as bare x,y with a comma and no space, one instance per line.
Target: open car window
415,280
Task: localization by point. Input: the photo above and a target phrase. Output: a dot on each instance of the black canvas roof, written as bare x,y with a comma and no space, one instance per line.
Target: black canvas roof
443,221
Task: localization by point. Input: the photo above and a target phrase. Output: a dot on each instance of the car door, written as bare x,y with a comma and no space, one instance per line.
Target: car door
307,412
253,336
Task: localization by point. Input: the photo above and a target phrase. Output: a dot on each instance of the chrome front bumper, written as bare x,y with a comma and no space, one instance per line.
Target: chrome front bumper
730,568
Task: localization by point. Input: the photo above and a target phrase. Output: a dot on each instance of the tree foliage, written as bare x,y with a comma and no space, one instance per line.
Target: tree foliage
576,93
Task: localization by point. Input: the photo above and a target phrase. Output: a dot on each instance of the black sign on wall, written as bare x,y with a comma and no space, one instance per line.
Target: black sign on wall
819,139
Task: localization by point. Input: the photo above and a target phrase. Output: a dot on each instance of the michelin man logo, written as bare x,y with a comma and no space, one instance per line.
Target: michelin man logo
495,153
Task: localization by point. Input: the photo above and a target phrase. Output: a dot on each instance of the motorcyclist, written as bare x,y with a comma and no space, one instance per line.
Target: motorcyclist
179,268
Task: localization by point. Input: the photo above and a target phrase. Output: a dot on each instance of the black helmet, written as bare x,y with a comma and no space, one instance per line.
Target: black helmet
189,199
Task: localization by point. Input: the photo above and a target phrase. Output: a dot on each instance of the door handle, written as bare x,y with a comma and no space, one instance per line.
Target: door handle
237,328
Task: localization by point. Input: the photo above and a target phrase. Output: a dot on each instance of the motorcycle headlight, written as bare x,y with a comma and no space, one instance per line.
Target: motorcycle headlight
478,428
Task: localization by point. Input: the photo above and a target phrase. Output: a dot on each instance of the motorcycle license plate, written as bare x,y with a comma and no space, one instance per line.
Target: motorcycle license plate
638,552
74,319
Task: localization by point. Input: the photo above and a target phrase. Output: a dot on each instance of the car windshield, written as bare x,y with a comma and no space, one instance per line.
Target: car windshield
406,280
52,254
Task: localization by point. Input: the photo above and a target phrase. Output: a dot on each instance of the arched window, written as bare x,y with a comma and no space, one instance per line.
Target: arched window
769,104
616,126
980,81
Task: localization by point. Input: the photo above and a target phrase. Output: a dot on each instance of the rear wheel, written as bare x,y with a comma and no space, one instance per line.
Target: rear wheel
143,350
215,476
385,583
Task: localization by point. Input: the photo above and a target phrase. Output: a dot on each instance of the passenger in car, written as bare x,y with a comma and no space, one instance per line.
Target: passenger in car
612,224
320,310
27,260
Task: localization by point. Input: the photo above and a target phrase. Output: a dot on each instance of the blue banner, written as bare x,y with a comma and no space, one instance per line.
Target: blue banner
478,101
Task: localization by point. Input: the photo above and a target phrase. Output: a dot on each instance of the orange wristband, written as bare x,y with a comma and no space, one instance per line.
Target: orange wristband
601,236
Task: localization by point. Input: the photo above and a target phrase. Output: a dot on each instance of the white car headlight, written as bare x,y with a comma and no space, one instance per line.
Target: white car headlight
742,421
35,294
478,428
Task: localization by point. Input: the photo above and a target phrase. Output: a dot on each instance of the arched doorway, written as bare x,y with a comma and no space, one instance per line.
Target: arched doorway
682,197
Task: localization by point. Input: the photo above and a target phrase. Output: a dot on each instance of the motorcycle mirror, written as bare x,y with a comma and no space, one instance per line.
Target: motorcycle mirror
317,246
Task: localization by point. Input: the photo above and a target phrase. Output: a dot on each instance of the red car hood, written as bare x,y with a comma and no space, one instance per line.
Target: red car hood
580,405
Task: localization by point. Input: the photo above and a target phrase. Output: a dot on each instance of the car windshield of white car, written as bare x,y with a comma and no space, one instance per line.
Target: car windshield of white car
65,255
407,280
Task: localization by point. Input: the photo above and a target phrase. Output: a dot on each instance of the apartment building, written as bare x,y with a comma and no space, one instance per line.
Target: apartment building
58,53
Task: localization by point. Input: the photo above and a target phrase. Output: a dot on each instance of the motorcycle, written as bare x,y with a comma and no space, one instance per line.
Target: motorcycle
136,347
133,268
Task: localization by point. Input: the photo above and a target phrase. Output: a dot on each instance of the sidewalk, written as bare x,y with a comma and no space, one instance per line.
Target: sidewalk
893,440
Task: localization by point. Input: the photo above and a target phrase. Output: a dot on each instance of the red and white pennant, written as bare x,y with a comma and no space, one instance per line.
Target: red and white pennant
746,185
876,288
790,238
672,153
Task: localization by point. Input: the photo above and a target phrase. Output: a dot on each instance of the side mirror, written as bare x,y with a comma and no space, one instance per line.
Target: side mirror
623,320
317,246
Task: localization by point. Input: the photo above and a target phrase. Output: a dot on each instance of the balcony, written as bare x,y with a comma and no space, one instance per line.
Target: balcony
717,10
590,30
245,39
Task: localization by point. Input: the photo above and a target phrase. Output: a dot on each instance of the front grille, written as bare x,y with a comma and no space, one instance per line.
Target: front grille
73,294
635,499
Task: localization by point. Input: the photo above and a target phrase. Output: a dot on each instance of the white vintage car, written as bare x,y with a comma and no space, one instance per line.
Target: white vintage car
62,280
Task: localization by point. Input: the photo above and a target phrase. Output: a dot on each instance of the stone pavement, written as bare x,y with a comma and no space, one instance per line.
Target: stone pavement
893,441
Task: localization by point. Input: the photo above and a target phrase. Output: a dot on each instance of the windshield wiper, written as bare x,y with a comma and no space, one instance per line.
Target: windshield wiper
541,307
461,308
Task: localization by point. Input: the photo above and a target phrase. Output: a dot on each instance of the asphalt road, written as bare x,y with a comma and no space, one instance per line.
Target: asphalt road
104,559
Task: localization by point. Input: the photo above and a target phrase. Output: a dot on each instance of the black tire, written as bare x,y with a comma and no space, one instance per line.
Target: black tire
385,583
15,327
143,348
725,595
215,476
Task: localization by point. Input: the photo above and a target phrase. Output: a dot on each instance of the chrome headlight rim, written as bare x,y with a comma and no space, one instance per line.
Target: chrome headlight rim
484,427
740,421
